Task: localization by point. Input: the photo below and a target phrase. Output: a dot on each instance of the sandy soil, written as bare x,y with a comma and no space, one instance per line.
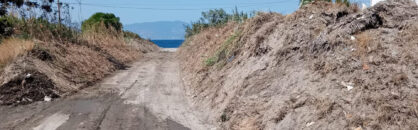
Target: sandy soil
148,95
325,66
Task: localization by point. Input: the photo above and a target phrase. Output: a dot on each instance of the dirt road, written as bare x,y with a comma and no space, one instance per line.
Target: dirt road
146,96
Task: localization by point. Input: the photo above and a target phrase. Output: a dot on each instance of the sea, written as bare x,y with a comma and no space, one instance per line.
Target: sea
168,43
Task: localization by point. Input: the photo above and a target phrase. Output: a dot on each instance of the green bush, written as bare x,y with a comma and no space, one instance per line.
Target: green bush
215,18
211,61
109,20
7,25
131,35
224,51
224,117
38,28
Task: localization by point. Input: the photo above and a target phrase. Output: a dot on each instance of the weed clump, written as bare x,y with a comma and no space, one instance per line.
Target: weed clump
215,18
224,51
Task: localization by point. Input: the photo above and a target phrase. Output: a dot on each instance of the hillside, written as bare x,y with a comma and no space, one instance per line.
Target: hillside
325,66
162,30
56,61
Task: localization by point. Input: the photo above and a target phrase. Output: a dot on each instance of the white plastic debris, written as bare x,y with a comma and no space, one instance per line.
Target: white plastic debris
352,38
349,86
27,100
28,75
47,99
363,6
309,124
362,17
310,17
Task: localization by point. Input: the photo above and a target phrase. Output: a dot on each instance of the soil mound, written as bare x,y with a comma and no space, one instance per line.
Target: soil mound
326,66
27,88
62,68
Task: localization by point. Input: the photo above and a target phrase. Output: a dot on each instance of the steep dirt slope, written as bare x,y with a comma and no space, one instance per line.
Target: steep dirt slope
323,67
54,69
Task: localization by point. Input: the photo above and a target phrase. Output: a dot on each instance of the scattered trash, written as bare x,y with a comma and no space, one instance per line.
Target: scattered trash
47,99
348,85
27,100
310,123
353,38
348,115
28,75
231,58
310,17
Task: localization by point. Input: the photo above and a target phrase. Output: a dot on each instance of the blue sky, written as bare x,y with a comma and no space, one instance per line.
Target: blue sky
138,11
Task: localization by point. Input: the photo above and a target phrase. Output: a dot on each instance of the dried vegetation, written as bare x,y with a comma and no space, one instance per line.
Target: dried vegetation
60,60
12,48
325,66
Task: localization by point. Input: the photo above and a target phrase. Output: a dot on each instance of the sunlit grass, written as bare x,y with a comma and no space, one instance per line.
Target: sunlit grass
12,48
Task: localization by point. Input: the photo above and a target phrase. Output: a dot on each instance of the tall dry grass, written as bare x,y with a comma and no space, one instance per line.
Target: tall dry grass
364,40
12,48
112,42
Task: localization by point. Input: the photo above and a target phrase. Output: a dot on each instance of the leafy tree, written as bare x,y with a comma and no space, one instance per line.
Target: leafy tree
109,20
45,5
215,18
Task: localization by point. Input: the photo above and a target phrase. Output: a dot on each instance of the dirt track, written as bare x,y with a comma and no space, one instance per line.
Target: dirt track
146,96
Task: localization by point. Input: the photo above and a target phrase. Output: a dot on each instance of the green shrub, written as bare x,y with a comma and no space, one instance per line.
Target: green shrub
224,51
215,18
44,27
94,23
211,61
131,35
7,24
224,117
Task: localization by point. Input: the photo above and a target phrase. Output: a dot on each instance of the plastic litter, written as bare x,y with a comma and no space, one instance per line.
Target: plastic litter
352,38
309,124
28,75
349,86
47,99
231,58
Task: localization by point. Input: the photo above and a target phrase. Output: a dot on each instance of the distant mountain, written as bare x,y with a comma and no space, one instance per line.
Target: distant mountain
162,30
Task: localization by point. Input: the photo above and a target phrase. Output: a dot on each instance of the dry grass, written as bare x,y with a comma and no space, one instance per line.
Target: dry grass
364,40
113,43
12,48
